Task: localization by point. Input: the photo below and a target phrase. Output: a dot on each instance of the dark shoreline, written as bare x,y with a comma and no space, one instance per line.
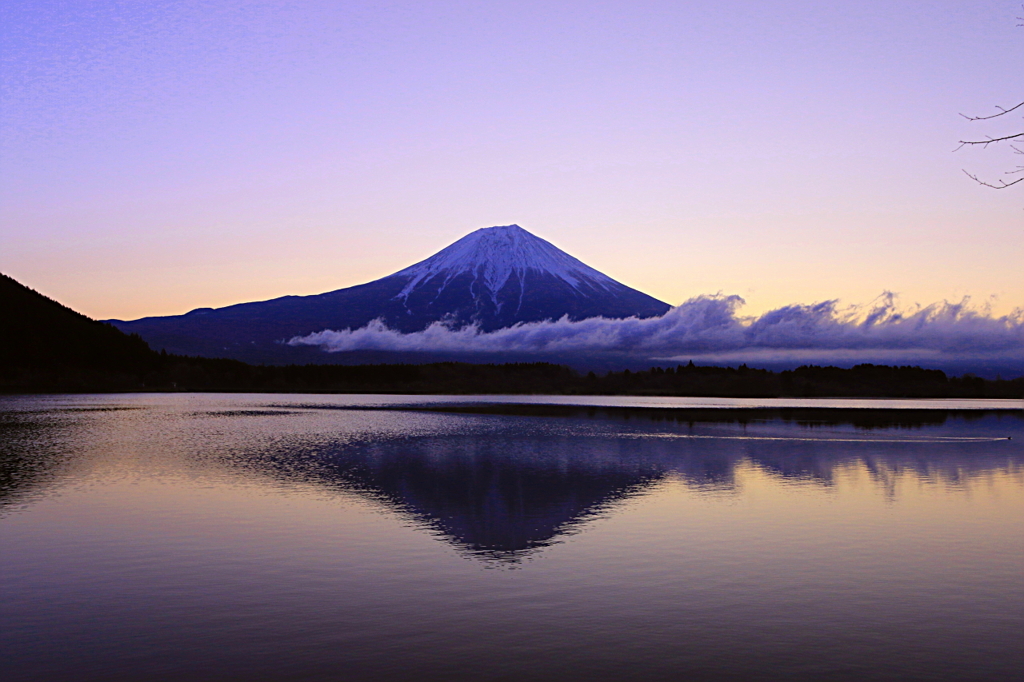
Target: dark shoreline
161,373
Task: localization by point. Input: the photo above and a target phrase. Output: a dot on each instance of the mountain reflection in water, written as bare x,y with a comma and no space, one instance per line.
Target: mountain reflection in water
276,537
501,496
494,497
503,480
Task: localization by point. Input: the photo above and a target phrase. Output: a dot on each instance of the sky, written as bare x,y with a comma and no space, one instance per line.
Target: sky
162,156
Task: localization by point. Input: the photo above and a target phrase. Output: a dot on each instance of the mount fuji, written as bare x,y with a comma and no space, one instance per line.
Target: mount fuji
494,277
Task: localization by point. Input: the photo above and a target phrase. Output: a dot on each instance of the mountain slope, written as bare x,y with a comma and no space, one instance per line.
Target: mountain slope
494,278
47,344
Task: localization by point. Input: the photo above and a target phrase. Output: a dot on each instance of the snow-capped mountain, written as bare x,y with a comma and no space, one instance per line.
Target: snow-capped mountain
493,255
492,278
498,276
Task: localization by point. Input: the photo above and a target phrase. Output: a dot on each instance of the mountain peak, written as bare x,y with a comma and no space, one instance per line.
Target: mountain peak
493,255
502,228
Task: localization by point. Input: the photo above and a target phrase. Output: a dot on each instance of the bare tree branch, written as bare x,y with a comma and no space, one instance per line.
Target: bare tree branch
990,140
998,184
1001,112
1003,184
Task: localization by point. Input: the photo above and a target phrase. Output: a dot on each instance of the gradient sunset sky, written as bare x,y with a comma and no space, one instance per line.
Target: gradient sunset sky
158,156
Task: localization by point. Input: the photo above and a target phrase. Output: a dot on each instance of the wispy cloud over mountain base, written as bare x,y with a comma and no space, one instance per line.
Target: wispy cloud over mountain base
712,327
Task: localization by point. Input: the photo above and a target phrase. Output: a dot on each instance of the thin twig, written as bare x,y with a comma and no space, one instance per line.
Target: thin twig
1003,184
1001,112
989,141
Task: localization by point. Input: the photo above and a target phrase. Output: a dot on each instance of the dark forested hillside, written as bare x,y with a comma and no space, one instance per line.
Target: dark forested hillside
47,347
47,344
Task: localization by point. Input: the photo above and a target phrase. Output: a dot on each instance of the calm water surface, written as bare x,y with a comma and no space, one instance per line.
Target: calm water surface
249,537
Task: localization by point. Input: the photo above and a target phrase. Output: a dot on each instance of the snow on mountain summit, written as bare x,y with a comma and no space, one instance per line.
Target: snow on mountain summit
492,255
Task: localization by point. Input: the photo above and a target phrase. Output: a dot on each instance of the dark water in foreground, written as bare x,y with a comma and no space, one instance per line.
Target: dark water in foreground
206,537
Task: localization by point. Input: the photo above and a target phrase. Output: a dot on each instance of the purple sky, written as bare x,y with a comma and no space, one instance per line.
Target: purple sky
161,156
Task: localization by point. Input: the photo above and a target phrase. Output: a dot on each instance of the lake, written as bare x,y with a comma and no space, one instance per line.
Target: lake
323,537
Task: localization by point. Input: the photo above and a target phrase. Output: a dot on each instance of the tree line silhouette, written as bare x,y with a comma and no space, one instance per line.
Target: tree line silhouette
47,347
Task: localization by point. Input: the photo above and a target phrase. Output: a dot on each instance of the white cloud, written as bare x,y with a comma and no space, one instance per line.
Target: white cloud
712,325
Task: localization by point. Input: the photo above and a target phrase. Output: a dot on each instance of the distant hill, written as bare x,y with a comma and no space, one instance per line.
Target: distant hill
48,344
493,278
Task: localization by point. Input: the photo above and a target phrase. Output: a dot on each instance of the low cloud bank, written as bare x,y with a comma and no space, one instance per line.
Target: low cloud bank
711,325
